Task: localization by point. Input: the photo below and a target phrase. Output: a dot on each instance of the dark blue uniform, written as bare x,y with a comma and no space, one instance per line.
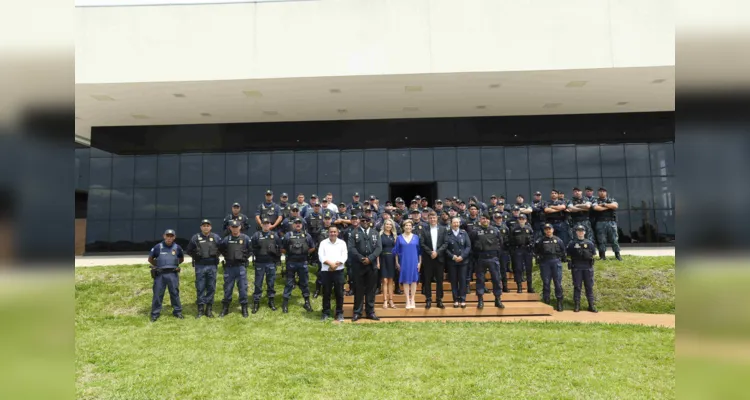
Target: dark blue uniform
486,247
521,247
606,227
241,218
537,218
236,251
205,252
471,224
551,253
457,246
297,246
287,225
581,253
361,245
580,218
268,210
558,221
504,257
165,274
267,251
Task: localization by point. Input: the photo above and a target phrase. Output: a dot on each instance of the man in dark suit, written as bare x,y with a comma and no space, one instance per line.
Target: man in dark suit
457,251
433,259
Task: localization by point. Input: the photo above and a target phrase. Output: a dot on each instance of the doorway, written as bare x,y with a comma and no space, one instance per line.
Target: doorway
409,190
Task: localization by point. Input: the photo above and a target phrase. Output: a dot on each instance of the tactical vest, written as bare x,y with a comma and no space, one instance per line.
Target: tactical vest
521,236
267,249
316,221
555,216
504,234
608,215
236,252
269,211
206,247
286,210
471,224
298,246
167,256
549,248
581,215
486,240
356,208
537,213
344,216
323,235
583,252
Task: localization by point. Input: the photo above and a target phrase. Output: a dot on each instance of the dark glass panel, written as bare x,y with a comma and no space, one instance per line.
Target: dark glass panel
399,165
516,163
101,173
97,235
516,187
637,158
380,190
282,167
98,204
236,169
665,225
191,170
422,165
259,168
143,234
444,164
664,192
121,235
489,163
589,161
214,169
144,203
329,166
190,202
146,172
121,203
232,194
213,202
446,189
640,194
613,160
169,170
492,187
352,167
662,159
466,189
123,170
564,161
305,167
83,169
540,162
167,201
618,189
376,165
643,226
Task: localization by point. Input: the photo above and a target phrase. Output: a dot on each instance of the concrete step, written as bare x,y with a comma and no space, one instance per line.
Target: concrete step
448,298
447,286
511,309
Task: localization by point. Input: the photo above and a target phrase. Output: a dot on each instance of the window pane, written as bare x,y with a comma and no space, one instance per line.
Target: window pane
186,228
120,235
236,169
492,187
617,188
233,194
97,235
399,165
83,169
101,173
543,185
421,165
169,170
259,168
166,202
637,159
613,160
665,225
662,159
444,164
623,227
492,163
162,225
282,167
564,161
191,170
348,190
145,171
642,226
664,194
380,190
352,168
445,189
144,203
564,186
376,166
515,188
589,162
516,163
540,162
333,188
305,167
329,166
639,193
122,203
214,166
143,234
123,170
466,189
190,202
213,201
98,204
98,153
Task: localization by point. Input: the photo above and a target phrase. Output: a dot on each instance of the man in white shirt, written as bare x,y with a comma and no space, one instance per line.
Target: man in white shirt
331,206
333,254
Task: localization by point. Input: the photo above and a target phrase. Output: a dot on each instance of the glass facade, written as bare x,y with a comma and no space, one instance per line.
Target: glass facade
133,199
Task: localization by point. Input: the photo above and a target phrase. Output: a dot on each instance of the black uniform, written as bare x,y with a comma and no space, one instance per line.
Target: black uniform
581,253
241,218
471,224
267,249
521,247
297,246
504,257
551,253
204,249
236,251
486,247
314,223
364,245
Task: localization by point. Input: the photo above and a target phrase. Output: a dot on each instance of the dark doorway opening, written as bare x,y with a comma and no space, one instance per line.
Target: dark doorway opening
408,191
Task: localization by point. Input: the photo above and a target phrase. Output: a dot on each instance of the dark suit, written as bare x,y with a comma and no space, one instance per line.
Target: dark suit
433,268
457,246
361,246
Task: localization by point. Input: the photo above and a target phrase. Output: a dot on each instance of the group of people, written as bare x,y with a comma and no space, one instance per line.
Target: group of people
390,249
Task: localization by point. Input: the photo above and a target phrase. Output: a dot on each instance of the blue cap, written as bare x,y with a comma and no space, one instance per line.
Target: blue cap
580,228
205,221
170,232
522,216
234,222
548,225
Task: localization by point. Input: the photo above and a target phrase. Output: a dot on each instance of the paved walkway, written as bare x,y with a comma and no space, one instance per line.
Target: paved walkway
663,320
90,261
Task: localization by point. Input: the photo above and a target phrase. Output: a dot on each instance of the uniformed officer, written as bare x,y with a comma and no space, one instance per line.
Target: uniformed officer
364,248
321,236
343,218
285,208
486,245
416,220
521,247
288,224
589,196
266,246
313,200
445,219
350,279
204,249
414,205
355,207
314,222
457,252
515,214
463,212
472,222
401,209
438,206
504,257
492,208
581,252
554,211
579,208
269,210
537,214
235,214
550,253
236,250
165,259
482,206
423,203
297,245
453,213
606,224
301,205
448,203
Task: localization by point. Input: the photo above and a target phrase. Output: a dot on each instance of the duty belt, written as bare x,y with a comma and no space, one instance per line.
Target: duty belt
487,255
160,271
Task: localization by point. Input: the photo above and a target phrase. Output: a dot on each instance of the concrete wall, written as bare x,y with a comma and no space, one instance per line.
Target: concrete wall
368,37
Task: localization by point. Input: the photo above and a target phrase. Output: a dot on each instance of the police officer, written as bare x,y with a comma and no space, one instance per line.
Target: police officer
414,205
419,225
314,222
204,249
267,250
438,207
550,253
581,252
492,208
482,206
364,248
606,224
355,207
269,210
165,259
515,212
285,207
297,245
321,236
579,207
457,253
486,246
343,218
554,211
537,214
350,278
504,257
307,210
463,212
288,224
235,215
235,248
445,219
521,247
472,222
588,194
301,204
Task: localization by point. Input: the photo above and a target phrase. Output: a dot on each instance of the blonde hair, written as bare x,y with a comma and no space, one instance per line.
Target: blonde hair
393,227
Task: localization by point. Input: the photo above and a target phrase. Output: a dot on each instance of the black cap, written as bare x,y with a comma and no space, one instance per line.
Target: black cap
387,212
414,211
522,216
454,208
324,199
205,221
369,210
461,201
269,191
438,201
538,193
327,216
313,196
548,225
356,194
295,208
474,199
418,197
234,222
366,202
399,200
485,215
576,188
603,189
284,195
474,206
424,199
580,228
236,204
493,197
372,197
499,215
515,208
265,221
589,188
298,220
169,232
454,198
427,209
364,218
355,216
316,205
414,200
521,196
342,204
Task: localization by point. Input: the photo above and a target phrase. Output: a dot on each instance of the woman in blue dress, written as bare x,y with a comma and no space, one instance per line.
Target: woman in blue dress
387,262
409,261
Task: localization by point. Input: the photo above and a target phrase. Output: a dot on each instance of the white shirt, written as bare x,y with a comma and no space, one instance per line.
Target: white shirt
455,232
336,252
333,208
434,235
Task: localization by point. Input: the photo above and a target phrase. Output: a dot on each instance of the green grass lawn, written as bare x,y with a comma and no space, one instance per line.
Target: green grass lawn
119,354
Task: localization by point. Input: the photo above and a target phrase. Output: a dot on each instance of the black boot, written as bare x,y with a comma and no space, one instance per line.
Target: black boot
271,305
601,256
577,307
284,306
559,305
224,309
200,311
505,285
545,299
440,304
499,303
529,286
210,310
317,292
618,257
480,303
244,310
428,304
256,305
592,308
519,288
307,305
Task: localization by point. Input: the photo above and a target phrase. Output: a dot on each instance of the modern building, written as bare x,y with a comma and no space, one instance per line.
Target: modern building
182,110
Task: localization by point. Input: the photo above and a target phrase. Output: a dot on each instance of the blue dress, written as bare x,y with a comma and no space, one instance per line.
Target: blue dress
408,257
